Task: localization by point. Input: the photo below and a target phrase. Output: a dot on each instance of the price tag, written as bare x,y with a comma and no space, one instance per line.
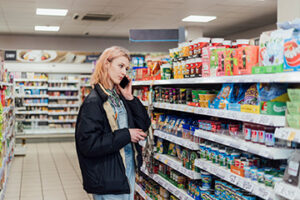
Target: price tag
233,179
264,120
222,174
262,193
248,185
213,170
177,193
171,189
291,136
285,190
244,147
190,174
166,161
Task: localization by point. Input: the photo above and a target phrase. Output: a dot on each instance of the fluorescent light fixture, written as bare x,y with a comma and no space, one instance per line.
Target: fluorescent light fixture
46,28
51,12
198,18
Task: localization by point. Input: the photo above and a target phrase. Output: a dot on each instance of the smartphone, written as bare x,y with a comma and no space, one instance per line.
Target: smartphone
124,82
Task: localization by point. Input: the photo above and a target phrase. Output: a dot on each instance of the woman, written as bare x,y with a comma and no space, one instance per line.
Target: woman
110,124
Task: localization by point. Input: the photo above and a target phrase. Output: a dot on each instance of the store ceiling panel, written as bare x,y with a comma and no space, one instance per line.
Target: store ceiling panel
18,16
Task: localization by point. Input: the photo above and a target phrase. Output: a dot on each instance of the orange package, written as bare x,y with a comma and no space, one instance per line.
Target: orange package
247,58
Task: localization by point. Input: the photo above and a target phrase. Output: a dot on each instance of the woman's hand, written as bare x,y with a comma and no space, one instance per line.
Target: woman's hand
137,134
127,91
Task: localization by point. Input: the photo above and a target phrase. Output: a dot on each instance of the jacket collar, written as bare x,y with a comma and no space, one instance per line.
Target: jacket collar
101,92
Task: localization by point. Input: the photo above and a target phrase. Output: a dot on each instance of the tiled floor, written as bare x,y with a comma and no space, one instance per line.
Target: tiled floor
49,171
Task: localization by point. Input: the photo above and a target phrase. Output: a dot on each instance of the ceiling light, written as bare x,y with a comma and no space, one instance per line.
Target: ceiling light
51,12
198,18
46,28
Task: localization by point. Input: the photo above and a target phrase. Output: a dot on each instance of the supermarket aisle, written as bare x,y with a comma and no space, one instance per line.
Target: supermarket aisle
49,171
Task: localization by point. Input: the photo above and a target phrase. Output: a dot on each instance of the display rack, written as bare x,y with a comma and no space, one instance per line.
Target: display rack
177,165
291,77
257,189
269,120
289,134
142,192
287,191
179,193
237,143
177,140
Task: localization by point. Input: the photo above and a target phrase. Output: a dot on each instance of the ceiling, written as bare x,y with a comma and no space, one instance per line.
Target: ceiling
18,16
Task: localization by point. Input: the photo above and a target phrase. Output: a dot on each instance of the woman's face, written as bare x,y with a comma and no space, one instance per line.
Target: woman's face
117,69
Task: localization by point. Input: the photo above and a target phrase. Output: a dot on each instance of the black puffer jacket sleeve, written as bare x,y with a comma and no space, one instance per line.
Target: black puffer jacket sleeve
91,137
139,113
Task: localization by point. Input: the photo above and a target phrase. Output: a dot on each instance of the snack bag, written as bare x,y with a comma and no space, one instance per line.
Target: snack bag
223,97
272,92
238,93
214,59
251,95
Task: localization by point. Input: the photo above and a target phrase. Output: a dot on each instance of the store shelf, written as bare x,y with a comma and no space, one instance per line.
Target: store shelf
255,188
177,165
43,131
179,193
62,89
63,81
6,84
269,120
62,105
258,149
32,96
85,85
36,112
33,87
177,140
62,121
36,104
4,161
289,134
32,120
140,83
62,113
8,130
288,77
30,80
287,191
64,97
142,192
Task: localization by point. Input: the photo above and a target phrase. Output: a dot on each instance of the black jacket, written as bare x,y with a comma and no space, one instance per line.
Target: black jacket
98,147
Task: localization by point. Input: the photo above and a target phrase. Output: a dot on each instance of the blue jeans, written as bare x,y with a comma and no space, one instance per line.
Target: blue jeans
130,173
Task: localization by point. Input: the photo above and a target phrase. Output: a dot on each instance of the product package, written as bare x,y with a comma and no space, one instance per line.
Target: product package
206,61
292,54
247,57
231,62
222,99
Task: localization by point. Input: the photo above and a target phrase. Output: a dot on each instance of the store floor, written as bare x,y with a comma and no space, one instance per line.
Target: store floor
49,171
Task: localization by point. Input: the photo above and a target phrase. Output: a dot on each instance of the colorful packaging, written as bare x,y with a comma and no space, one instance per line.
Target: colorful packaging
292,54
251,95
214,60
271,46
247,57
206,61
231,62
223,97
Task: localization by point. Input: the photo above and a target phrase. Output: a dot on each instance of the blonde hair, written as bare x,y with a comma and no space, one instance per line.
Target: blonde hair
100,74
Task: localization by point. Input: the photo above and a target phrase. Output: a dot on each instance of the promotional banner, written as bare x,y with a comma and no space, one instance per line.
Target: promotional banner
51,56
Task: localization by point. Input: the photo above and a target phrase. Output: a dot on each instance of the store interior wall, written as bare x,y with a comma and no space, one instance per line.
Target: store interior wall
72,43
252,33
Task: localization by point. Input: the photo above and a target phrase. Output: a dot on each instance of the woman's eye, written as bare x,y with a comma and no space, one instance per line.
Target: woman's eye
121,65
127,68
